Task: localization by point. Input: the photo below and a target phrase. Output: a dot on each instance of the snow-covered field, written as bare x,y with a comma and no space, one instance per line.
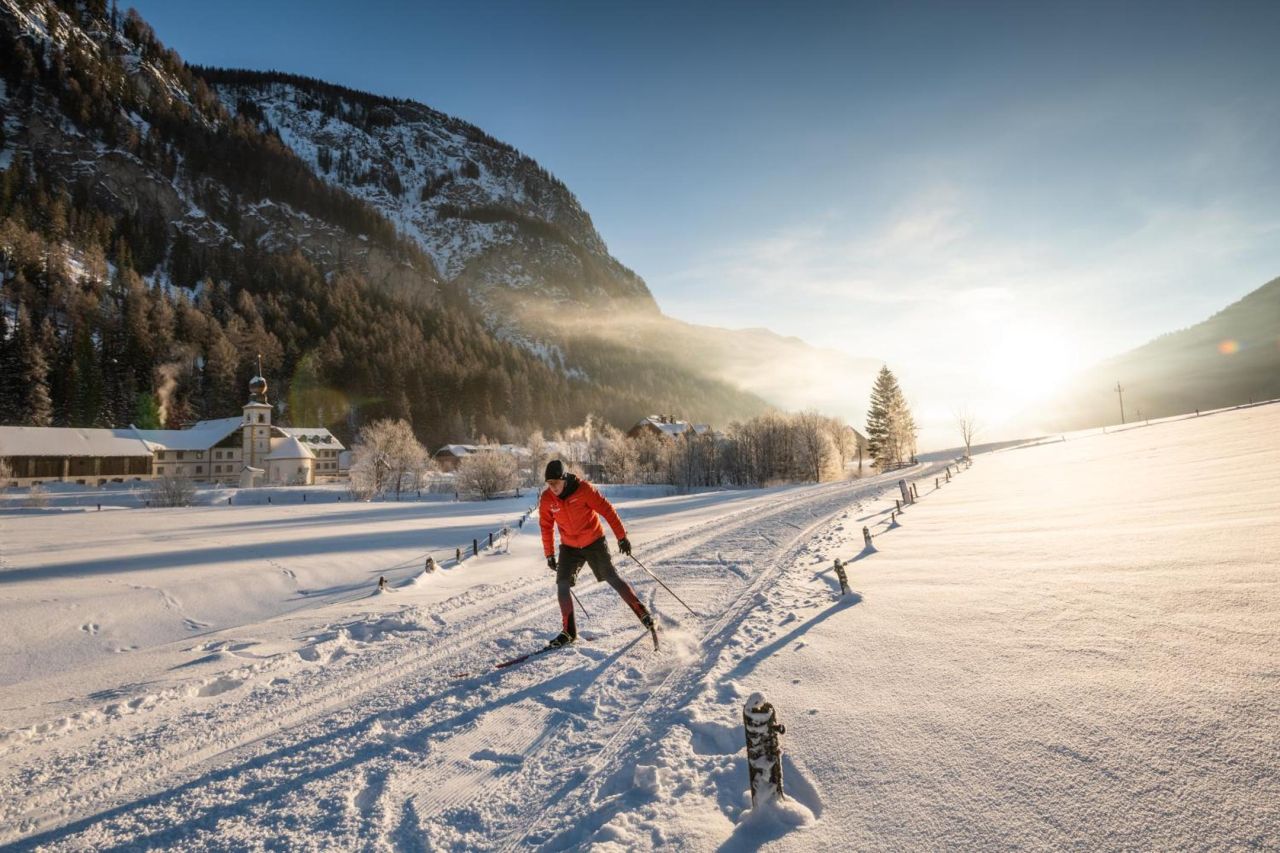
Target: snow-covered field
1075,644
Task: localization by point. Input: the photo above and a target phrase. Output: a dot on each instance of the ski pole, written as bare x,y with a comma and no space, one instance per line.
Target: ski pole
664,586
575,598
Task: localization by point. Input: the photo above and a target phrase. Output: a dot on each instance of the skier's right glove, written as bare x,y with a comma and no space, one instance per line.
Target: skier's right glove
551,563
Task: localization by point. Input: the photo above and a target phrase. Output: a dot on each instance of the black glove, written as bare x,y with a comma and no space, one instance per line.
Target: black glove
624,545
551,563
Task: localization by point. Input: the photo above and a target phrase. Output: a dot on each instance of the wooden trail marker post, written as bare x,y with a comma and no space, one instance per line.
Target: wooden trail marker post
844,579
764,752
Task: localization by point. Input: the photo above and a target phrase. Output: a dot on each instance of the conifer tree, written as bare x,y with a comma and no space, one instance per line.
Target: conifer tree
35,408
146,411
891,430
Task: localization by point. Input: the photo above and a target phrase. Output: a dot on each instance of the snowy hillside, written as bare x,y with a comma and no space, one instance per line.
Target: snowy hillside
487,215
1073,644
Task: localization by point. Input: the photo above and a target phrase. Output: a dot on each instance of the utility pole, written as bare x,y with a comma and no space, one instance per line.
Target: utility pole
1120,391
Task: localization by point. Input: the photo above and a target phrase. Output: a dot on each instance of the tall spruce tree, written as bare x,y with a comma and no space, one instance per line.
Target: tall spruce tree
891,430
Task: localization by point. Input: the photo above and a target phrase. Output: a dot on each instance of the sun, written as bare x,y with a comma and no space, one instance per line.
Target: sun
1024,363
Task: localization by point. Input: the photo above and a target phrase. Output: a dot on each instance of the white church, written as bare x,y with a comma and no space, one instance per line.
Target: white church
247,451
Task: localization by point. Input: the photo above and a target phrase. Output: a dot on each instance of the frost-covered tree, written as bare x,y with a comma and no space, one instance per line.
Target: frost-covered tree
385,458
172,491
487,473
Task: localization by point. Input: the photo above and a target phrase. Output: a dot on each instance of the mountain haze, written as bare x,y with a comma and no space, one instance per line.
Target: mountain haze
1231,358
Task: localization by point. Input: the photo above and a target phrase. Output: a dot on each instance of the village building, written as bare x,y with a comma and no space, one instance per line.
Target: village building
666,426
248,450
450,456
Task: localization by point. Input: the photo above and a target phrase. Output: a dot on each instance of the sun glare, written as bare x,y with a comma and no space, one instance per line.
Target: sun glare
1025,364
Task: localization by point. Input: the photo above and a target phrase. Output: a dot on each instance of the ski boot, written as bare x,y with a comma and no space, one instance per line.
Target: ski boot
647,621
564,638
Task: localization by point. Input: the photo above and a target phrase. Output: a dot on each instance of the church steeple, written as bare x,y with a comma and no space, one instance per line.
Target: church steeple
256,432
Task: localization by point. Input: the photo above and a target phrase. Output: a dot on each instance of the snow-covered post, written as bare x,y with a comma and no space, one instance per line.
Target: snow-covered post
915,493
428,565
948,473
764,753
906,493
491,539
457,558
866,536
475,547
844,579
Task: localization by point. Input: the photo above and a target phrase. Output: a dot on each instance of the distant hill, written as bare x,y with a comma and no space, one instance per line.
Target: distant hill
1231,358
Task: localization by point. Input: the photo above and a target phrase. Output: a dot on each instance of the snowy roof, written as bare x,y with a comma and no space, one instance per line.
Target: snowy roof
458,450
290,448
314,437
70,441
201,436
672,427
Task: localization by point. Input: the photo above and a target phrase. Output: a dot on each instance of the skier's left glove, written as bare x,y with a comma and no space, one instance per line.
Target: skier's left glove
551,563
624,545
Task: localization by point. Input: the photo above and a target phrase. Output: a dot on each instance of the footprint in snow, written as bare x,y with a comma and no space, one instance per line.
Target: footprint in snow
496,757
91,628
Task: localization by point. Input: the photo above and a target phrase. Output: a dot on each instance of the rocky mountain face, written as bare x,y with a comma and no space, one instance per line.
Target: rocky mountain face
1229,359
491,218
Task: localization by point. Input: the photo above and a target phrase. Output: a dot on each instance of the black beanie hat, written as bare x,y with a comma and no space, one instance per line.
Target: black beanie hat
555,470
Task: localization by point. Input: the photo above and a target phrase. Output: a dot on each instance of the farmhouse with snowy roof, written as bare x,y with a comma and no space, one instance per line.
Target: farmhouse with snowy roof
214,451
666,426
450,456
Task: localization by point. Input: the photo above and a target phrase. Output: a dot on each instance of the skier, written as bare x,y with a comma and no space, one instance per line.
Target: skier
575,507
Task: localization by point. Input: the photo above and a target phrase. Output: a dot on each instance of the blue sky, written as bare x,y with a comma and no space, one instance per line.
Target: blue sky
983,195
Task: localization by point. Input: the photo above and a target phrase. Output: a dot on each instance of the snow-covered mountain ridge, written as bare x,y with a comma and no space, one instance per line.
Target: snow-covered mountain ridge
488,216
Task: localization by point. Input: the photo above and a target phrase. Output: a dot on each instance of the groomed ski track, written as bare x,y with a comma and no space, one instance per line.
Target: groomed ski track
377,745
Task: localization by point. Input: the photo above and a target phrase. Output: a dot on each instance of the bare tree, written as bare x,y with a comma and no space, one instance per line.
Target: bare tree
621,460
968,426
487,473
386,458
537,458
816,456
172,491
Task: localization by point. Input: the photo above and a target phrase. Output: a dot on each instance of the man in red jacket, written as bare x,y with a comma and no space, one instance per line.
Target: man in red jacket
575,507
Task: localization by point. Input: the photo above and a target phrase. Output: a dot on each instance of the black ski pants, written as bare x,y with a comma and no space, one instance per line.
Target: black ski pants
597,556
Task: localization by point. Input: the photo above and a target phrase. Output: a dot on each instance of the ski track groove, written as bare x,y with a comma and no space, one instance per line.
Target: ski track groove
392,795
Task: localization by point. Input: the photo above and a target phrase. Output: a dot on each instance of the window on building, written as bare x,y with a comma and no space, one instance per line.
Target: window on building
199,469
182,454
159,469
261,418
199,454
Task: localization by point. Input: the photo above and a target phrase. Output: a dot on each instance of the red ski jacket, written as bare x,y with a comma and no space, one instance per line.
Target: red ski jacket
577,513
